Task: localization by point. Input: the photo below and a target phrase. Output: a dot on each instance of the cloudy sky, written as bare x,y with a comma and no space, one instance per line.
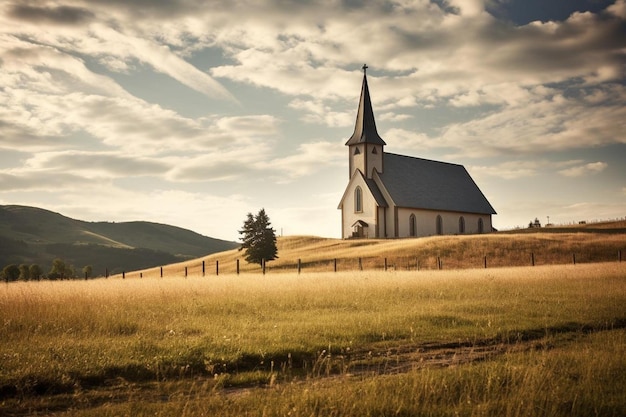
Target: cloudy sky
195,113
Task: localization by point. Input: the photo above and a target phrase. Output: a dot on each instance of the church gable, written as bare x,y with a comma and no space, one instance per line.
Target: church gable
360,206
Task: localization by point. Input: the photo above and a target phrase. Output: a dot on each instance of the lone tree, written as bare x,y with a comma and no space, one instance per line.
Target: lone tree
258,238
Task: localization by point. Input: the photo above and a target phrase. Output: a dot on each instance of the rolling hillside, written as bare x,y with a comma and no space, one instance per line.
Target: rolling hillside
585,244
30,235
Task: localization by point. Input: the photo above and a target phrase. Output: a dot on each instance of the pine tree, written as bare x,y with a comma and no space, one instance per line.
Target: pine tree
258,238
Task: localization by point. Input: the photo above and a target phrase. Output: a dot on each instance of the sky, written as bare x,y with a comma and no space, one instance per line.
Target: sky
195,113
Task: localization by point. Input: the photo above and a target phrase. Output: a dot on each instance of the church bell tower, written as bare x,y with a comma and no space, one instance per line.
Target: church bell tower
365,146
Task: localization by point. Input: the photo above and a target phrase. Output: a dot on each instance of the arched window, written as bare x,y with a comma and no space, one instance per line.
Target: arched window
439,225
356,151
358,200
461,225
481,227
412,226
374,151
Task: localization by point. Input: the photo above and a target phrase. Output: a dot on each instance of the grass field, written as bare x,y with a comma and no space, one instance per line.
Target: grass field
544,340
454,252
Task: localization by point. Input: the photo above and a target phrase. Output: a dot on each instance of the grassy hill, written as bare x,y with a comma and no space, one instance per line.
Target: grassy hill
31,235
544,246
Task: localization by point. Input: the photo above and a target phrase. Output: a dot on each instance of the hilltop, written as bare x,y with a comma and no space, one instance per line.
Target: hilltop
587,243
31,235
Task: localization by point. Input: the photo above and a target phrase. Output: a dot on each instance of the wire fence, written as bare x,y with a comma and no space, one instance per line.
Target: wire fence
212,267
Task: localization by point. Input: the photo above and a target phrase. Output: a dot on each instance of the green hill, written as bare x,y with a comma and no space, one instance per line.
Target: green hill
30,235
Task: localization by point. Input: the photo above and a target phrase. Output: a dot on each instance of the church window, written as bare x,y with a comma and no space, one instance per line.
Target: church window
439,225
481,227
412,226
374,151
357,151
358,200
461,225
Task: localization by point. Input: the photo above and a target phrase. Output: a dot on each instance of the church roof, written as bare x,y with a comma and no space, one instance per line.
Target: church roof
378,196
425,184
365,127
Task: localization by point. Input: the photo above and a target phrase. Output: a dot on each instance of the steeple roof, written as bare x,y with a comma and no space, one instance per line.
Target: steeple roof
365,127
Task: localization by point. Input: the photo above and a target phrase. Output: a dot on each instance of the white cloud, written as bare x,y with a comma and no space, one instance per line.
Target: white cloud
161,58
315,111
94,164
582,170
549,123
618,9
308,159
409,140
394,117
510,169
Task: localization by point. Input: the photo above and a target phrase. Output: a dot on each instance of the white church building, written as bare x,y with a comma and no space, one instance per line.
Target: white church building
398,196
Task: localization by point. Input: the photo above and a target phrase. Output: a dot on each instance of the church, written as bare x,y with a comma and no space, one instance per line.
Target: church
396,196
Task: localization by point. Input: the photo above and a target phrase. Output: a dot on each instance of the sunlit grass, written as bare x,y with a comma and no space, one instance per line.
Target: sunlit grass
69,337
453,252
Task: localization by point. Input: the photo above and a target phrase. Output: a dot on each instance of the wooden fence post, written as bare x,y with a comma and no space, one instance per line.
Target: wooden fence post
202,268
217,267
185,272
263,265
123,274
485,259
335,264
141,275
299,265
439,263
574,258
161,272
532,258
385,264
360,264
237,266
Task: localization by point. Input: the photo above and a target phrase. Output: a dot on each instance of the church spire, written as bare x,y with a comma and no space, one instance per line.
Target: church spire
365,127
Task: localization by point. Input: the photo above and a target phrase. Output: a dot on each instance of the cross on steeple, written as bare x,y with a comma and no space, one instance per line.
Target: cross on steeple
364,68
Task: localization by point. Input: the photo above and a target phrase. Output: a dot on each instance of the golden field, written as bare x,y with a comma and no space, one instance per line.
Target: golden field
318,254
501,341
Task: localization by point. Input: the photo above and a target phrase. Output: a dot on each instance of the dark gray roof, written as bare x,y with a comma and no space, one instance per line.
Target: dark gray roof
360,223
365,126
378,196
433,185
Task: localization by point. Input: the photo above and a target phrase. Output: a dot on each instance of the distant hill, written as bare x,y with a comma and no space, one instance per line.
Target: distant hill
30,235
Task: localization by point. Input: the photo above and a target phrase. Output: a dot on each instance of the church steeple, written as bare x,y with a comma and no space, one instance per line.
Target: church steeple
365,127
365,145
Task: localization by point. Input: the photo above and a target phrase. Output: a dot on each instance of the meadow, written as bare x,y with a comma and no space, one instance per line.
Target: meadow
524,341
318,254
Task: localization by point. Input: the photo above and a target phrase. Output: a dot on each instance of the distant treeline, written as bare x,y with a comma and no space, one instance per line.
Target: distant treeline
101,258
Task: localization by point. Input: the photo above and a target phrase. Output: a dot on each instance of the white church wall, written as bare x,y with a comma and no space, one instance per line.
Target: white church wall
426,222
368,214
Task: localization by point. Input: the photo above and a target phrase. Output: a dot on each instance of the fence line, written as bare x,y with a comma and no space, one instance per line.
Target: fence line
406,263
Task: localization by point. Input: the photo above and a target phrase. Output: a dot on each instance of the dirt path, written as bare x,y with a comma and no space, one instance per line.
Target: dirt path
408,357
379,359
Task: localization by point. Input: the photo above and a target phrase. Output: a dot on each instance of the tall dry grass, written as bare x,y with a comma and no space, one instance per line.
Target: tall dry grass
451,252
65,337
